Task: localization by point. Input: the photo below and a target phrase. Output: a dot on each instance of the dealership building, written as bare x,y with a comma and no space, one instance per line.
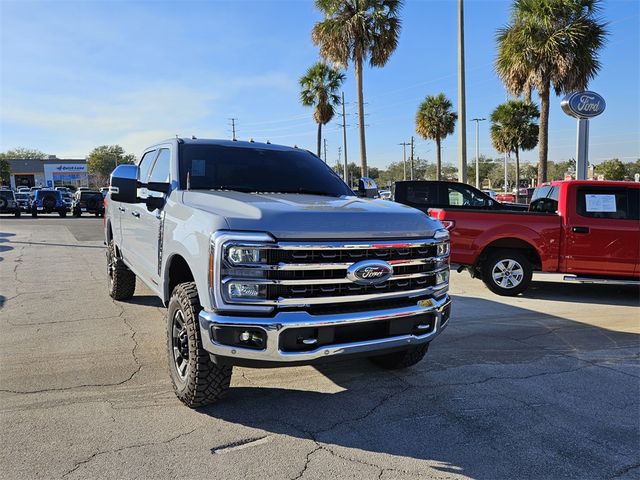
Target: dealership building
49,172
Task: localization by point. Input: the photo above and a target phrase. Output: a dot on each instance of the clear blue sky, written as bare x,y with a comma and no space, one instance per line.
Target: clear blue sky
84,73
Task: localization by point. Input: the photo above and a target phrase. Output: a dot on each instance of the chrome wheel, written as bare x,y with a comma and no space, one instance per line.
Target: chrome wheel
180,342
507,273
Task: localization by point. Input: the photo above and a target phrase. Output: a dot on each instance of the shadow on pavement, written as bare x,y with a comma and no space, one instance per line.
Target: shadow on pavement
519,394
628,295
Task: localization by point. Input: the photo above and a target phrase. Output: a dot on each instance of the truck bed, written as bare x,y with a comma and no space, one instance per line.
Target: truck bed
474,230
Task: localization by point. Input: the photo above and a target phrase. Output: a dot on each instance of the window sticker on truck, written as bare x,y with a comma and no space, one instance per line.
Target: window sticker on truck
600,203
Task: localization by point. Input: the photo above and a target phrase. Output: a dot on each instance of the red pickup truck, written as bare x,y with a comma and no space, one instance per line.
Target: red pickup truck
589,229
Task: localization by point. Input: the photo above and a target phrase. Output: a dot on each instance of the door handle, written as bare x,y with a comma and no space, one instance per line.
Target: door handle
136,214
580,229
122,209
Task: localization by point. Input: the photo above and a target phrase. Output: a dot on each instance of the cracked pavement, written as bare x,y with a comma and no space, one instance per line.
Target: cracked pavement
544,386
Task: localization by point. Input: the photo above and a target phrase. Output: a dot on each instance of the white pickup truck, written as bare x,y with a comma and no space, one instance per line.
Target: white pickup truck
264,257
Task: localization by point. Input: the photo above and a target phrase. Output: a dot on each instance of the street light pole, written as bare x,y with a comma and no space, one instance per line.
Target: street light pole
462,115
478,120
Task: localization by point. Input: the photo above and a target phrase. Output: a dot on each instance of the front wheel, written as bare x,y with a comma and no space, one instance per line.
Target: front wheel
17,214
122,281
34,213
402,359
507,272
62,213
197,381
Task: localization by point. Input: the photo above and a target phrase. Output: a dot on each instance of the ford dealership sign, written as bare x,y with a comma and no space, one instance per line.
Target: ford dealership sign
583,104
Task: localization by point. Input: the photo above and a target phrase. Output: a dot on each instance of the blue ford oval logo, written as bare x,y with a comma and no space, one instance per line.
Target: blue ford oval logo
369,272
583,104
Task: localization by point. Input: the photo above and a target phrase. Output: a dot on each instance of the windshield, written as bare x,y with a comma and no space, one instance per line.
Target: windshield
215,167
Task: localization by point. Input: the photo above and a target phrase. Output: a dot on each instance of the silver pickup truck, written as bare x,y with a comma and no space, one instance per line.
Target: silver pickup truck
264,257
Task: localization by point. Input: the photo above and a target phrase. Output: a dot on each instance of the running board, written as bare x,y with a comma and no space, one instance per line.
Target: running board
609,281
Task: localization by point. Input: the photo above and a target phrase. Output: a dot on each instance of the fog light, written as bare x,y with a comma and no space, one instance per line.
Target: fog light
442,277
443,249
244,255
242,290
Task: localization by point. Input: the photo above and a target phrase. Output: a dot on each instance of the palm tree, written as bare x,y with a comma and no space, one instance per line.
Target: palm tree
356,30
514,128
319,86
434,121
549,43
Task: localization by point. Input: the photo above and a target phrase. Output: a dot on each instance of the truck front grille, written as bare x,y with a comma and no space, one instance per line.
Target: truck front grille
294,275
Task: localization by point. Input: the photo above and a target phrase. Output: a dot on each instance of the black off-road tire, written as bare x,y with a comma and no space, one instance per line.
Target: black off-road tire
511,287
17,214
77,213
62,213
34,212
121,280
202,382
402,359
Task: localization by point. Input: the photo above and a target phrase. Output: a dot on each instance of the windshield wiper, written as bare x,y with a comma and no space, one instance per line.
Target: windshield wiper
307,191
235,188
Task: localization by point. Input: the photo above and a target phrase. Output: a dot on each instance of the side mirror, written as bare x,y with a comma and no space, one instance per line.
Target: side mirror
123,184
159,187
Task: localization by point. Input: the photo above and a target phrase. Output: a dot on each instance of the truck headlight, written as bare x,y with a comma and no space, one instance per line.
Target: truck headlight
443,249
442,277
244,255
245,291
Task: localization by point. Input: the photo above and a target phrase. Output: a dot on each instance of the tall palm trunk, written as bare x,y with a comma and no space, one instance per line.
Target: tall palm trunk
319,139
543,134
363,147
517,175
438,161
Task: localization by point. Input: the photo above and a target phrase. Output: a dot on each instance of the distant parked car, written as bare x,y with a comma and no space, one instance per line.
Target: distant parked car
48,201
8,202
385,194
23,200
23,189
491,193
67,198
88,201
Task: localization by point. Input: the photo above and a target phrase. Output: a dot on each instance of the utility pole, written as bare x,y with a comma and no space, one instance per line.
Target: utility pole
412,145
506,178
325,150
404,159
233,128
462,115
477,120
344,138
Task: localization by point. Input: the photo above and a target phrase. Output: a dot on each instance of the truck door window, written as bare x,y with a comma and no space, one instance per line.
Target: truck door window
421,195
160,171
604,203
460,196
145,165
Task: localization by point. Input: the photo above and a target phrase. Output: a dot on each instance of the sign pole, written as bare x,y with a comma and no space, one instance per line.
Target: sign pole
582,149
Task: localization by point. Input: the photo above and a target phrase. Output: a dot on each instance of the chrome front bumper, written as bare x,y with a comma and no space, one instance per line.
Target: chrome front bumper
274,326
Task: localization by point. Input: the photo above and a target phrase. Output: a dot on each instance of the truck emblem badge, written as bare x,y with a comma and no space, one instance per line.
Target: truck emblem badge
583,104
369,272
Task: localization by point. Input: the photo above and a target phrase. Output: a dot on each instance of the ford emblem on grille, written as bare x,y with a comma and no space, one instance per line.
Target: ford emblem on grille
369,272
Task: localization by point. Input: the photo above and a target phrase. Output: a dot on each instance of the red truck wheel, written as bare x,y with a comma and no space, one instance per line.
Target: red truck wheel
507,272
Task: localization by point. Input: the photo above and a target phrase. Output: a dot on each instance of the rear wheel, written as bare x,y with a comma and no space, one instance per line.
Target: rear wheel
197,381
507,272
122,281
402,359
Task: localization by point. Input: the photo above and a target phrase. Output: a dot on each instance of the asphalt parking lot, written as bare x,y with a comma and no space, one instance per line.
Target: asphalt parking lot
545,386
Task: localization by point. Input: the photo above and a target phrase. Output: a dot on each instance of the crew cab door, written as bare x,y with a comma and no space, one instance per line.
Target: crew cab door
148,232
602,231
129,213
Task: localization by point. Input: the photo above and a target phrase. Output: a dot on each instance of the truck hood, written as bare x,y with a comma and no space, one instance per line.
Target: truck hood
297,216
